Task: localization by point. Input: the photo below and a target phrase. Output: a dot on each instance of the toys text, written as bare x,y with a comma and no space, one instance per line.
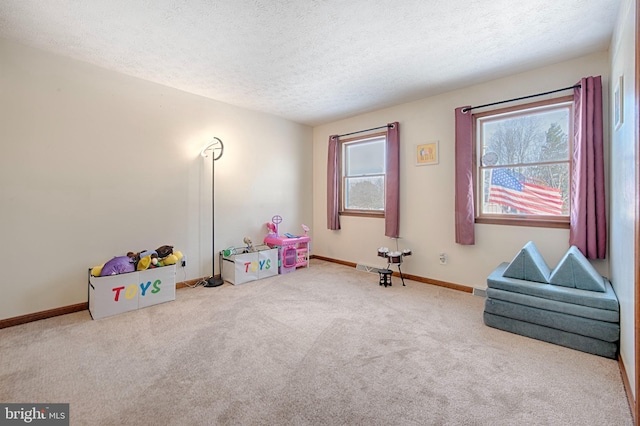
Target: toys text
255,266
132,290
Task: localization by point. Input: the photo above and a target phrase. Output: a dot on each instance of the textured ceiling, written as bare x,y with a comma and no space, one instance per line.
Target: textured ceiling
313,61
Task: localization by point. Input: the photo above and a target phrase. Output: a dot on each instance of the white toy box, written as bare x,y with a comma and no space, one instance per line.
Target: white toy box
116,294
245,266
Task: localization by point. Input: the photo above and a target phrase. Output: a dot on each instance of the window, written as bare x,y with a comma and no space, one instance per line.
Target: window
363,174
523,164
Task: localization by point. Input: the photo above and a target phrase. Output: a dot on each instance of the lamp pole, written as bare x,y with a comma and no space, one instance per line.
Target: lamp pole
217,148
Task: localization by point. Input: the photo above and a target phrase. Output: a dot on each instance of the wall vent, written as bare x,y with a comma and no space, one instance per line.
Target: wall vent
366,268
479,292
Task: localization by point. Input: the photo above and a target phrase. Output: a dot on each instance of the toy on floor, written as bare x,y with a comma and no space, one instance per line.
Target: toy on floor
293,250
393,257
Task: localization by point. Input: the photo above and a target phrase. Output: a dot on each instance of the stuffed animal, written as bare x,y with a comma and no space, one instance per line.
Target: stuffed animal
153,260
148,259
112,268
249,244
118,265
140,261
97,270
164,251
144,263
172,259
134,256
144,253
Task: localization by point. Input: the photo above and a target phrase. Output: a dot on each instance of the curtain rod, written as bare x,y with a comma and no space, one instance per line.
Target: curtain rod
368,130
518,99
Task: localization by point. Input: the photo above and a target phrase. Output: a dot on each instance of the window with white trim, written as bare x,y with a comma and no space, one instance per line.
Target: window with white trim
523,163
363,171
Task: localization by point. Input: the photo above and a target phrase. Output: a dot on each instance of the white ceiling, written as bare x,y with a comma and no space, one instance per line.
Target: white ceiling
314,61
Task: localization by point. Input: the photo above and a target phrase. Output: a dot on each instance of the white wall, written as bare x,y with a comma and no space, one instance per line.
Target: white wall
624,198
427,192
94,164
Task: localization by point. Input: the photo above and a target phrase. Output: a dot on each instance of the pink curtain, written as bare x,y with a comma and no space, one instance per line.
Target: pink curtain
333,185
392,187
464,210
588,229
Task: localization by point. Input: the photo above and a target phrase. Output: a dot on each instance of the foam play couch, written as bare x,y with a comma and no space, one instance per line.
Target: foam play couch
572,306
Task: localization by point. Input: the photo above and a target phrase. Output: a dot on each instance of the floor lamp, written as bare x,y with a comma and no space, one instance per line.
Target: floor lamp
216,148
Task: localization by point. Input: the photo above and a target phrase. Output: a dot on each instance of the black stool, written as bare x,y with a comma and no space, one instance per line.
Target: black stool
385,276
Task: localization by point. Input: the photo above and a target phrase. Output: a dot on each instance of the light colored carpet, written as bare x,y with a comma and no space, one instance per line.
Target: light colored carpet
325,345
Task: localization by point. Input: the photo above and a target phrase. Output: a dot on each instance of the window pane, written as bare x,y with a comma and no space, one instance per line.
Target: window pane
539,136
364,193
364,158
531,190
524,162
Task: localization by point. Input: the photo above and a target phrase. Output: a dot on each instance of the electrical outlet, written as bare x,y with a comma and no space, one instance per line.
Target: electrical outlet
443,258
184,261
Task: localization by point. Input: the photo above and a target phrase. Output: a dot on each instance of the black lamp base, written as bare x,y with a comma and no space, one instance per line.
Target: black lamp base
213,282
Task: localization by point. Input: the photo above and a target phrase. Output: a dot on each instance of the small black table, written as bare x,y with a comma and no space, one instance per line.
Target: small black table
385,276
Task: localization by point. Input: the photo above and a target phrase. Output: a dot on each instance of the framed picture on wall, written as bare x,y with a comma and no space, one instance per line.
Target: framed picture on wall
427,154
618,110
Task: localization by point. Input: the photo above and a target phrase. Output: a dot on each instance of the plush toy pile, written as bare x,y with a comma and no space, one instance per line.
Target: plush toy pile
140,261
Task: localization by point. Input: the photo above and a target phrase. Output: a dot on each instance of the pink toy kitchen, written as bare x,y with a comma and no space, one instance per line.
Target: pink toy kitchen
293,250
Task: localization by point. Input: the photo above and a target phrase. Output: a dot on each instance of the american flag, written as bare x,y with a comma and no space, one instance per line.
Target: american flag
512,190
